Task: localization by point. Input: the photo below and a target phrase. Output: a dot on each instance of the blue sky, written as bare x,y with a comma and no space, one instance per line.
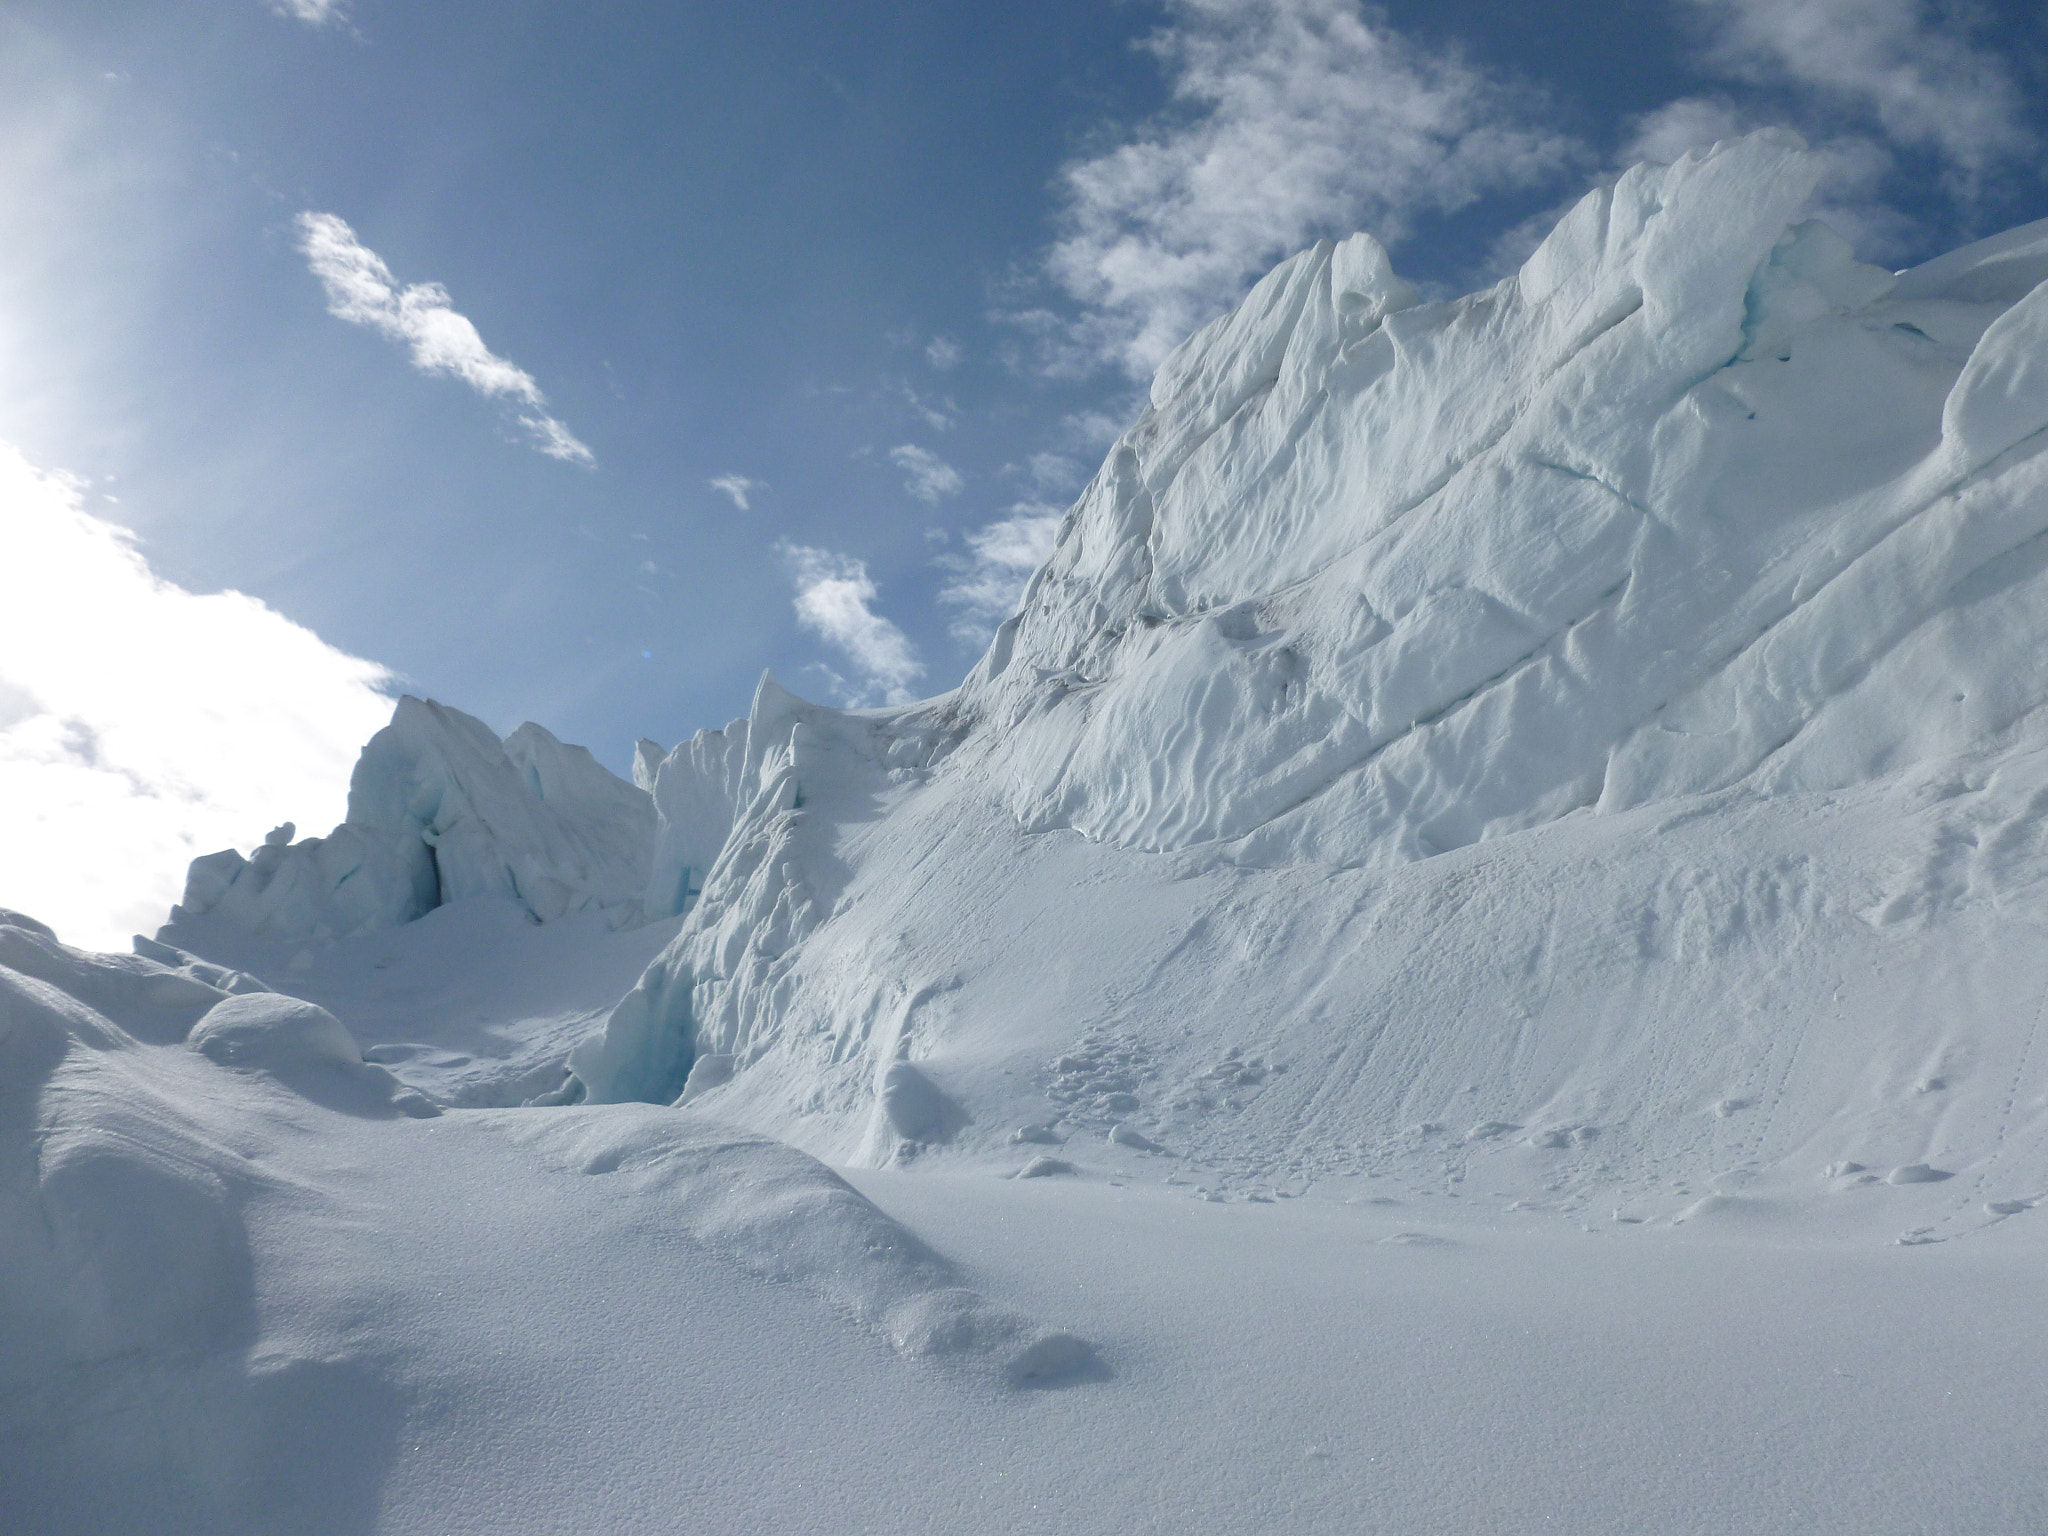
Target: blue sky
773,335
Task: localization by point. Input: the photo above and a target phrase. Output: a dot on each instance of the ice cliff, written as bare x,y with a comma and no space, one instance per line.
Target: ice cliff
1695,496
439,809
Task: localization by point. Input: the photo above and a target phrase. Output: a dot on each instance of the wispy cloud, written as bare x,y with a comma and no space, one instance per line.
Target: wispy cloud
142,725
1290,119
835,600
1912,68
1050,473
1850,196
943,353
987,583
315,13
925,475
937,412
739,488
361,290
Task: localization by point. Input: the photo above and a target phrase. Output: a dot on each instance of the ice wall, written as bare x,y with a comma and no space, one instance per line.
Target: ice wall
1692,496
439,809
1695,502
797,775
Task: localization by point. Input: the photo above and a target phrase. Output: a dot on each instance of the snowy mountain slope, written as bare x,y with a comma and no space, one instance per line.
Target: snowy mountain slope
1699,556
1367,586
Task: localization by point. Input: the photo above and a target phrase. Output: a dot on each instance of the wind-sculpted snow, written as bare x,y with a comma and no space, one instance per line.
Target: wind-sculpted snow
1370,582
207,1330
1700,555
1557,779
440,810
785,1218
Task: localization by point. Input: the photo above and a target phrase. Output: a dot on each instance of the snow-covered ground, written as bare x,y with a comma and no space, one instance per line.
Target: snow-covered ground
1472,961
273,1302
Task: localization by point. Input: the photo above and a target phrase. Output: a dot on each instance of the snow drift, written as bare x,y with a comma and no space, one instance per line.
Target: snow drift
170,1135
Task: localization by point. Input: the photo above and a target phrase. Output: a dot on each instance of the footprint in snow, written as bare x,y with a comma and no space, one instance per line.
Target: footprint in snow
1557,1138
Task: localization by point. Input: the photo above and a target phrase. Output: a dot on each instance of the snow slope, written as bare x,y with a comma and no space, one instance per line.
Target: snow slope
1471,960
277,1295
1584,737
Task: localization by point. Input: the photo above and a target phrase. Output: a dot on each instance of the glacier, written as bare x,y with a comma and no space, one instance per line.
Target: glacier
440,810
1696,535
1472,955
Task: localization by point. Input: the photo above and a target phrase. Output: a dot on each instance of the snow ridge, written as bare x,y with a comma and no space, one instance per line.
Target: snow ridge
1695,505
1366,585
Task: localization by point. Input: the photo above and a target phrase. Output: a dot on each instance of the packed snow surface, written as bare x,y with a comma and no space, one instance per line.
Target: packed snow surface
1471,960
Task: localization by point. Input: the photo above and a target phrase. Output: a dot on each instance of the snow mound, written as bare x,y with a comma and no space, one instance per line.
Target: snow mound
125,1274
156,995
789,1219
304,1047
438,810
200,1305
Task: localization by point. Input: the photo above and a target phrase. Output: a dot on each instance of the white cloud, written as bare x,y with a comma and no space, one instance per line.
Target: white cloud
1679,127
739,488
925,475
1910,66
1849,198
938,414
361,290
988,582
142,725
315,13
943,353
1050,473
834,601
1292,119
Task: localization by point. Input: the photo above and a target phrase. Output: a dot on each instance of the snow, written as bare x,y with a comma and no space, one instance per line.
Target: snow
440,810
1470,960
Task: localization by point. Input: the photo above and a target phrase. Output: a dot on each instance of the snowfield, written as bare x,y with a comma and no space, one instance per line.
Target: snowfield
1472,961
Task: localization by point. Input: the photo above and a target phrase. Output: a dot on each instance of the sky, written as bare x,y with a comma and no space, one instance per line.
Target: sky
576,363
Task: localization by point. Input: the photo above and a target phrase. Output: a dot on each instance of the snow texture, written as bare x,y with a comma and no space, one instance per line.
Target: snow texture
1478,938
1699,556
440,810
153,1146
